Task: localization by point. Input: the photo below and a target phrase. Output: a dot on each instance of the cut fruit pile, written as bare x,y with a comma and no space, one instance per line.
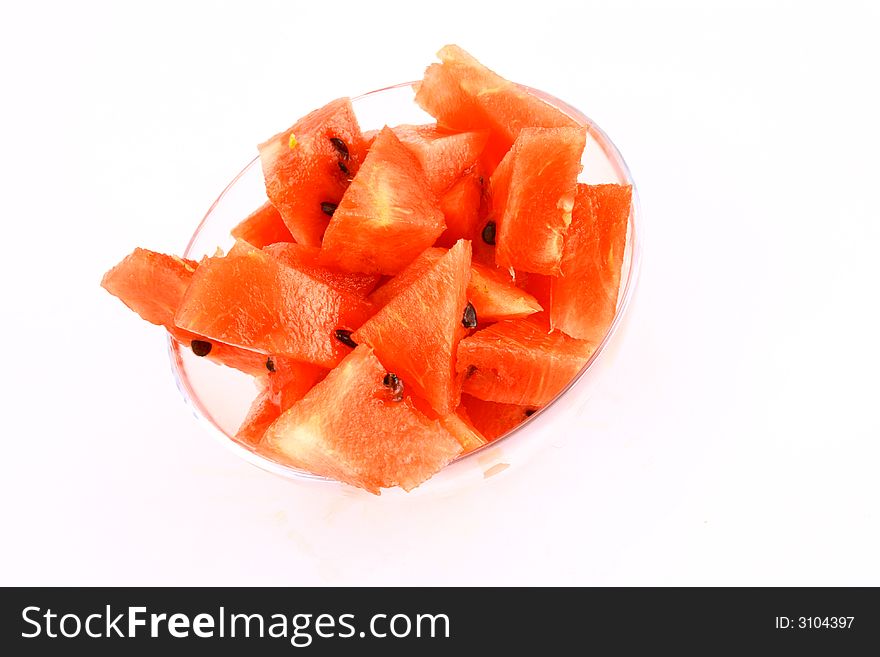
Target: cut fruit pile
407,295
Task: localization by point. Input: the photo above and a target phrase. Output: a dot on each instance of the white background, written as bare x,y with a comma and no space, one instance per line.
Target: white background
735,439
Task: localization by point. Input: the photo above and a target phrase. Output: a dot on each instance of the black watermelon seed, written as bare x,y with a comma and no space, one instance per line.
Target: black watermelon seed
344,336
530,412
340,147
200,347
343,168
328,208
471,370
395,385
489,233
270,364
469,320
482,182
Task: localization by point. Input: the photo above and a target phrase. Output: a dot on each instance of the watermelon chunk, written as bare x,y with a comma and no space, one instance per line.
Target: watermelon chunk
538,286
492,296
307,260
464,208
285,384
584,296
308,167
388,215
462,94
493,419
459,426
417,332
517,362
262,227
444,155
153,285
253,301
348,427
532,197
370,137
495,298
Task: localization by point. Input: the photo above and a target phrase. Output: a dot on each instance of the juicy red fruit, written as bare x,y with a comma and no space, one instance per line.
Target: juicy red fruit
518,362
584,297
369,441
388,215
532,193
302,167
416,333
278,309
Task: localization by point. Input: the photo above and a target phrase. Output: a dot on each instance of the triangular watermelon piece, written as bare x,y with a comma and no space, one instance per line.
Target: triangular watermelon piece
308,260
262,227
388,215
492,296
417,333
459,425
532,197
462,94
308,167
444,155
153,285
495,298
493,419
584,296
251,300
517,362
283,385
349,427
538,286
464,207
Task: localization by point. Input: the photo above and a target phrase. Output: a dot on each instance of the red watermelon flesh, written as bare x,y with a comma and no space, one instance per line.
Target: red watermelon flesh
417,332
243,360
484,253
492,296
584,297
462,94
532,194
309,166
444,155
262,227
349,428
153,285
463,208
370,137
253,301
496,298
413,272
262,413
517,362
493,419
287,383
307,260
459,425
538,286
388,216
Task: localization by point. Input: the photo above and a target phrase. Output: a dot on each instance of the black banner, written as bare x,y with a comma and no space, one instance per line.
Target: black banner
419,621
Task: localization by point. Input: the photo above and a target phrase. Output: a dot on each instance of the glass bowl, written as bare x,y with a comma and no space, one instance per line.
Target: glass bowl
220,396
